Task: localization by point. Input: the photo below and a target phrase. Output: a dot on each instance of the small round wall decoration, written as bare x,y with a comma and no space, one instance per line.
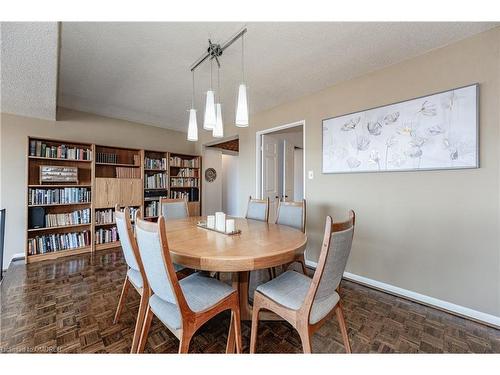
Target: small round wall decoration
210,175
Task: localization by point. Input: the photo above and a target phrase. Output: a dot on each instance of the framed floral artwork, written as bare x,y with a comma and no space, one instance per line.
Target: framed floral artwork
437,131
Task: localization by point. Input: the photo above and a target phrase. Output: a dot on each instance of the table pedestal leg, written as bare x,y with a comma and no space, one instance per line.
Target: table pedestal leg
243,287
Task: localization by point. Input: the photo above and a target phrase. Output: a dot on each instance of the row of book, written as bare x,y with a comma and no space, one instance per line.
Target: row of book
108,216
186,163
104,157
41,149
179,194
155,181
126,172
183,182
58,196
106,235
187,172
68,218
152,209
155,163
105,216
56,242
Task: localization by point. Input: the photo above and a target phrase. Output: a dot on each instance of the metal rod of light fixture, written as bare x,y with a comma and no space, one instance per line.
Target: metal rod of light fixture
210,54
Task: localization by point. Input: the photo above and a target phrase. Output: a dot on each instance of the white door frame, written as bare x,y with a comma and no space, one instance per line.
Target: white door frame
258,154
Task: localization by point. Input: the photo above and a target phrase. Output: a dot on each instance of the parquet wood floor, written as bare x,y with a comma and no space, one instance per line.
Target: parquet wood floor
68,305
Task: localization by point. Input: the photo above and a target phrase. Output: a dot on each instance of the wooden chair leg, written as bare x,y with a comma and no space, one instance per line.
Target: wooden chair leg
235,314
140,322
121,301
187,334
255,324
305,337
230,344
145,330
343,327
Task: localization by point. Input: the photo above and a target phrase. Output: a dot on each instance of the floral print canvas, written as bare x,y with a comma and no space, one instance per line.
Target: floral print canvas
439,131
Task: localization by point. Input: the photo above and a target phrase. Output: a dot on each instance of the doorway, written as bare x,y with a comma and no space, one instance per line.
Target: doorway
222,192
280,165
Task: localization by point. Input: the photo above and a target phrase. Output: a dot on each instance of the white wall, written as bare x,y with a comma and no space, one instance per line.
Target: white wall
298,174
212,191
230,184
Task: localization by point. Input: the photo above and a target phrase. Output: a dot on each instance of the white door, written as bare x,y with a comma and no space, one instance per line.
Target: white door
269,176
288,170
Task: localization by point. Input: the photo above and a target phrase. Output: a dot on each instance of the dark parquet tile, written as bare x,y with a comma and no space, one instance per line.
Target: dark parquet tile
68,305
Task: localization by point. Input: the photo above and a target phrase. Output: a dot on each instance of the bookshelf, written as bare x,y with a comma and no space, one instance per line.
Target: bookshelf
155,182
79,211
58,212
118,173
185,181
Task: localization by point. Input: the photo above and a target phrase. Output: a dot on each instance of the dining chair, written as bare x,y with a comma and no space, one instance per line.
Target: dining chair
257,209
182,306
134,269
293,214
174,208
304,302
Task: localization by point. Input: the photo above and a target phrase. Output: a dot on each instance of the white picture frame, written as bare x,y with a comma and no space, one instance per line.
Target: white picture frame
432,132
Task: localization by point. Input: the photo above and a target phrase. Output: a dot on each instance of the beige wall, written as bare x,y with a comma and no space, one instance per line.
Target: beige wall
73,125
435,232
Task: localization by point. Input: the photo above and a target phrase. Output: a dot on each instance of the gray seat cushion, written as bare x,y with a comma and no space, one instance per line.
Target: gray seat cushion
290,290
291,216
174,210
256,211
201,292
135,277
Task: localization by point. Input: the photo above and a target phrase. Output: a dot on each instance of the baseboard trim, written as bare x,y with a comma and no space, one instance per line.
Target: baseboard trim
452,308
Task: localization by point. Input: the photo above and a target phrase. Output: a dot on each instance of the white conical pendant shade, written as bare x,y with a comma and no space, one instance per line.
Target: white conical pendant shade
210,116
193,126
219,126
242,108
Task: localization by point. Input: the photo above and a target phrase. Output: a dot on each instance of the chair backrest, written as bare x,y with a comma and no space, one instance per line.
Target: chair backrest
258,209
337,242
155,256
127,239
292,214
174,208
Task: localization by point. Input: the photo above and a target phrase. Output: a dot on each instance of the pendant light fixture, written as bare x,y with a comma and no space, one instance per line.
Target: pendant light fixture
212,119
218,131
210,115
242,106
193,124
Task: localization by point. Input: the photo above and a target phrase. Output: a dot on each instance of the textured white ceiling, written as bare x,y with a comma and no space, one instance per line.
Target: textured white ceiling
139,71
29,68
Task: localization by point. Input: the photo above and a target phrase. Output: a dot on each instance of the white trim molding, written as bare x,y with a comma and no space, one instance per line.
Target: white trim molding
452,308
258,154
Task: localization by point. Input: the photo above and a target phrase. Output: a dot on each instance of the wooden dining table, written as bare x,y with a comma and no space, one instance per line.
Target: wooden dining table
260,245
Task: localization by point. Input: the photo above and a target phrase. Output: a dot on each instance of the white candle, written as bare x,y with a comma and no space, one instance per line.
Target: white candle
211,221
220,221
230,227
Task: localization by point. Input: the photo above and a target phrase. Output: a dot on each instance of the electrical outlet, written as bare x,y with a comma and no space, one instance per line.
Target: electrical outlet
310,175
